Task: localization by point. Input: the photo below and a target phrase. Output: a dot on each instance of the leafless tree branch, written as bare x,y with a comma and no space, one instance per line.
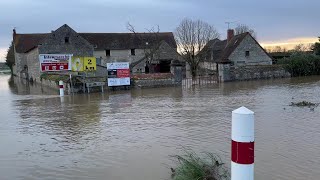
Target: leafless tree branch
191,36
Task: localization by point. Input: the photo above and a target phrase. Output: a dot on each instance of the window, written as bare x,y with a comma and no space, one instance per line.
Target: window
247,53
107,52
99,60
66,40
241,62
133,52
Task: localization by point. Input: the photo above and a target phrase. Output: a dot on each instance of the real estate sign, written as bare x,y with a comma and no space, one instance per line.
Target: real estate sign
55,62
118,74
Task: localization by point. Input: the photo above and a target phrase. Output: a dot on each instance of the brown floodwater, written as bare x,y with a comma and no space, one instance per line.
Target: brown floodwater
130,135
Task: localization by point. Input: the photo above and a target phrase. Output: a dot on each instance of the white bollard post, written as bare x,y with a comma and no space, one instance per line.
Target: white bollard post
61,88
242,147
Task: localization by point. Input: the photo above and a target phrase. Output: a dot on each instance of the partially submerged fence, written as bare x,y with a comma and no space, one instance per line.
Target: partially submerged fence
200,80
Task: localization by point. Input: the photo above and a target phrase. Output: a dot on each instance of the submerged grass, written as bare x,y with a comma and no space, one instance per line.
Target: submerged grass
192,167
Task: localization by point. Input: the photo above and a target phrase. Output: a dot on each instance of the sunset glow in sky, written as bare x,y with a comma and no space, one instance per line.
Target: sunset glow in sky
285,22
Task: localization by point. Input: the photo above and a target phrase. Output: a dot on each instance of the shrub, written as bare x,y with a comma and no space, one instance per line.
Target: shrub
302,64
192,167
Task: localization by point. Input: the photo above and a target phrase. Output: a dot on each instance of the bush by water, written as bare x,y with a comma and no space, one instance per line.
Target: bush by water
192,167
302,64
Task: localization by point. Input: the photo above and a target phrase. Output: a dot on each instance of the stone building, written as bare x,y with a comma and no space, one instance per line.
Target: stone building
106,47
239,57
237,50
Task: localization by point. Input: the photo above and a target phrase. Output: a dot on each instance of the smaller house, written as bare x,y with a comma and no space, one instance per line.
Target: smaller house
237,50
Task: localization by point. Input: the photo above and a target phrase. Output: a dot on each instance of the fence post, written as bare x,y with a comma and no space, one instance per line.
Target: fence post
242,144
61,88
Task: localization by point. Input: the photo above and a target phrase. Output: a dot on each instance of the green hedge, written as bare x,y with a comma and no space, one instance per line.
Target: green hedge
301,64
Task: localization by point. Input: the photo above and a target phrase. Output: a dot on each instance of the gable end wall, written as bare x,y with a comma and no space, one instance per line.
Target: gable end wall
257,54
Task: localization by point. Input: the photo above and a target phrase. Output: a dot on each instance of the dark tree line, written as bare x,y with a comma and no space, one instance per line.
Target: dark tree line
10,57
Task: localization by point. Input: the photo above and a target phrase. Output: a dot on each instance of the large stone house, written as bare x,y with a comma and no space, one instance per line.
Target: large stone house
237,50
106,47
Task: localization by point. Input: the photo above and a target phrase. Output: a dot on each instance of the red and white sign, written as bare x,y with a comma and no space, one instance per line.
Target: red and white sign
118,74
123,73
55,62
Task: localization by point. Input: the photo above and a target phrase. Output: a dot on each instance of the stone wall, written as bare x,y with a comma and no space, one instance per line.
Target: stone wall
56,43
164,52
33,65
234,73
156,80
257,56
101,71
154,83
14,70
20,62
123,55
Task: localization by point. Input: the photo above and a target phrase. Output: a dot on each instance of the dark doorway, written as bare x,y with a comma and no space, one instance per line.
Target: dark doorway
146,69
164,66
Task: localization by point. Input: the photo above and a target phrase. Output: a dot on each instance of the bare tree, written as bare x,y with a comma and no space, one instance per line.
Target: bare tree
191,36
152,43
277,49
302,48
242,28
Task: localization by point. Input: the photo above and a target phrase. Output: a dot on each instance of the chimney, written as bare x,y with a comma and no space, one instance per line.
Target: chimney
14,32
230,34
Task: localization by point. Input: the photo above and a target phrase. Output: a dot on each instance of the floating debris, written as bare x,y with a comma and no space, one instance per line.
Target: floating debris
304,104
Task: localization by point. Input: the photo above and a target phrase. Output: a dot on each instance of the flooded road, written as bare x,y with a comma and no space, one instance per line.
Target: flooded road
129,135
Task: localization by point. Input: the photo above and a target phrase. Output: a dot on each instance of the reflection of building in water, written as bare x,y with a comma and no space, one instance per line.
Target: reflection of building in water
22,87
70,120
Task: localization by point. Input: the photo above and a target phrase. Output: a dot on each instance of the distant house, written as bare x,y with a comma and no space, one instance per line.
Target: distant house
238,50
106,47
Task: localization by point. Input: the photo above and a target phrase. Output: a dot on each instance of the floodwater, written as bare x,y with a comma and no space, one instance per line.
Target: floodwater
130,135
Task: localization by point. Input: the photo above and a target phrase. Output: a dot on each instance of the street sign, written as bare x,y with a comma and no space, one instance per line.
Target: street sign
90,64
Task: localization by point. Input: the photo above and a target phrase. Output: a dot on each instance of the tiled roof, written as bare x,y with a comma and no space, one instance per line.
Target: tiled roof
101,41
128,40
26,42
221,50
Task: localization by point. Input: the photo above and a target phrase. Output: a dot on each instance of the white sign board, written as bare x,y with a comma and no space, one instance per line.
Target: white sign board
118,74
55,62
118,65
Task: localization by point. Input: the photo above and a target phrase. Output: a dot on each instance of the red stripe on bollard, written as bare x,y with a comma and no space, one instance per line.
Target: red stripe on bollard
61,86
242,152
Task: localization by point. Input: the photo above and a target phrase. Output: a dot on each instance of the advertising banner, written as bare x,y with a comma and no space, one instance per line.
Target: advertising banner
77,64
55,62
118,74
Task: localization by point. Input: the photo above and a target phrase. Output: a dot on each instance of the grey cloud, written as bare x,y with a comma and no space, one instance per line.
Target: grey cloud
271,19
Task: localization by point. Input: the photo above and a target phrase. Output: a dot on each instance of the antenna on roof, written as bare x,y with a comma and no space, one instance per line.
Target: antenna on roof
229,23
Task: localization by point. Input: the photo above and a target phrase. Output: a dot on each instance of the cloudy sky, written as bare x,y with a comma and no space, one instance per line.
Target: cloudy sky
275,21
